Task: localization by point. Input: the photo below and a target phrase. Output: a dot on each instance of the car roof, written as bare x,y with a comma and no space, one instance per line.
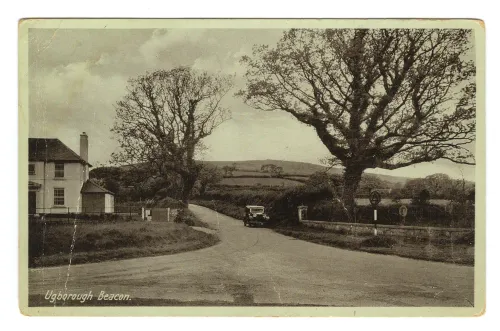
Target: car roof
253,206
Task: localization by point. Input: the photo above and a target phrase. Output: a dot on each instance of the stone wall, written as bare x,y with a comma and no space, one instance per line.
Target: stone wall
391,230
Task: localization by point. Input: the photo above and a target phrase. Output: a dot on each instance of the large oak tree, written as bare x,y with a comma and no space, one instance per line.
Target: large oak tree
163,118
376,98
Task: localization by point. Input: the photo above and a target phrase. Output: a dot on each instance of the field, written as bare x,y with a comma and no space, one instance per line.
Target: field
290,168
252,181
56,243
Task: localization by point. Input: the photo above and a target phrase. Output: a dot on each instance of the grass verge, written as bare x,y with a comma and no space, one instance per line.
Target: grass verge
187,217
431,250
54,244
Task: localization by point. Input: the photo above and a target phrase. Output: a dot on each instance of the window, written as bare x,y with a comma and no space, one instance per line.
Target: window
31,169
58,196
59,170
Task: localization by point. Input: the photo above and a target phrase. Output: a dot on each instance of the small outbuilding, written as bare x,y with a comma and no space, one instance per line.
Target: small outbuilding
96,199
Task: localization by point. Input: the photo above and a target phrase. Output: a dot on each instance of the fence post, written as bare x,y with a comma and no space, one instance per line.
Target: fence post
68,214
129,211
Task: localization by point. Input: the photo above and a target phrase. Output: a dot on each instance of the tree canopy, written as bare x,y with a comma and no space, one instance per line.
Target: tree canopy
164,117
379,98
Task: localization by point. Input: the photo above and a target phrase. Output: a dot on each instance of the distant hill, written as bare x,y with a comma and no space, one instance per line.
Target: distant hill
293,168
289,167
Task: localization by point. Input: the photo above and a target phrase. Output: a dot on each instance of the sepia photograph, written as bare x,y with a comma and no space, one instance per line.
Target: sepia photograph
252,167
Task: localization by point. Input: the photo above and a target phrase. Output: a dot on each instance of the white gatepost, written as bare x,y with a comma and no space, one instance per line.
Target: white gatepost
302,210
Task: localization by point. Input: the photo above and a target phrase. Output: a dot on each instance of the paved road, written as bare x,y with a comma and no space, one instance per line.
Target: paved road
258,266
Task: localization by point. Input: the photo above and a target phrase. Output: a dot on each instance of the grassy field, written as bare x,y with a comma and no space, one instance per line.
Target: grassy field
55,244
422,249
290,168
248,181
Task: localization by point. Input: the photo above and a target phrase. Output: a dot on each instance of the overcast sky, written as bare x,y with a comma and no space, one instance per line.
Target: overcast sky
76,77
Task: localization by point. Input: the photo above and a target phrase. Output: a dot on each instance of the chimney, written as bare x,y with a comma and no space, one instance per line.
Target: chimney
84,147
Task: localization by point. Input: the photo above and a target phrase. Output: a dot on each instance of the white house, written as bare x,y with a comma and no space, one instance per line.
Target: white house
59,179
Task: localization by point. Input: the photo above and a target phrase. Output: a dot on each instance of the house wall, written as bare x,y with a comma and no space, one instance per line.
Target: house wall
93,203
75,174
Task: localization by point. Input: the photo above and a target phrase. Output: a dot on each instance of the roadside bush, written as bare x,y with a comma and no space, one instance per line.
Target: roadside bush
426,215
422,198
281,205
185,216
327,210
169,203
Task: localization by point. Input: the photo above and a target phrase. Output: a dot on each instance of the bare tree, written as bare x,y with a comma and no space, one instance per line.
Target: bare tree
376,98
164,117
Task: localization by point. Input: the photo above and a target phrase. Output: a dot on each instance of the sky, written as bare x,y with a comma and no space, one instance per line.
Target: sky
77,75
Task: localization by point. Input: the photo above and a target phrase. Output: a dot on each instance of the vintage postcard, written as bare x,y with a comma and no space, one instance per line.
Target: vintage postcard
205,167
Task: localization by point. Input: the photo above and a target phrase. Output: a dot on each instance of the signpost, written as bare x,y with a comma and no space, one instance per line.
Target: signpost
375,200
403,211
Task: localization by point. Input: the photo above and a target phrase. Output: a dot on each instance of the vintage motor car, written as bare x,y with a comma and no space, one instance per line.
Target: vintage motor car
255,216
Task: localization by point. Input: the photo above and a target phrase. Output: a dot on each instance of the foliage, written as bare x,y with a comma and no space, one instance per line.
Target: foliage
208,177
379,98
439,186
169,203
187,217
422,198
228,170
273,170
223,207
136,183
322,178
163,119
322,205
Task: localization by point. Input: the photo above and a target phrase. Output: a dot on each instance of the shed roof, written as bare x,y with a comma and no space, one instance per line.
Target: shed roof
91,186
50,150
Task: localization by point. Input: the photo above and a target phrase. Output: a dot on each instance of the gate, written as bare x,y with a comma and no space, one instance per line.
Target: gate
160,214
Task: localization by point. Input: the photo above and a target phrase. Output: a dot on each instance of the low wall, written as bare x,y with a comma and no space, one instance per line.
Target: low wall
391,230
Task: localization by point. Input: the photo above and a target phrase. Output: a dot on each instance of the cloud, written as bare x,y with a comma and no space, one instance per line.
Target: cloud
70,99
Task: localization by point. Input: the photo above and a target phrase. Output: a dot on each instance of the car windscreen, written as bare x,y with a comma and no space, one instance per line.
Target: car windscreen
257,210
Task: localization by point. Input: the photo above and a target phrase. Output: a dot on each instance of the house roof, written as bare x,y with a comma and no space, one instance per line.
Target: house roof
50,150
91,186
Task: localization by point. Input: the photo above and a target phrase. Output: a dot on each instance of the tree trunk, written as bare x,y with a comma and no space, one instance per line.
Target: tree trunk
187,186
352,177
